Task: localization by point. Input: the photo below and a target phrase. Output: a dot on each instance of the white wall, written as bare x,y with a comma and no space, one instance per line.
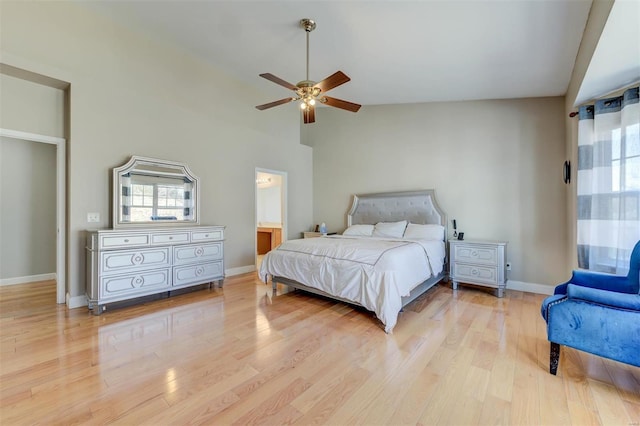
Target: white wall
269,208
130,95
27,208
496,166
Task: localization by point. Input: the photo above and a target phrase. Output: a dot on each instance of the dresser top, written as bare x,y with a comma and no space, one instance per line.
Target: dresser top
135,229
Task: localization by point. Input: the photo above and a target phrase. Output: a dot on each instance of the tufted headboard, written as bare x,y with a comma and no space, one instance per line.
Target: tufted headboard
414,206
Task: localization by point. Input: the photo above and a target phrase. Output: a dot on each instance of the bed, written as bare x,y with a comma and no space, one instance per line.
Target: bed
392,251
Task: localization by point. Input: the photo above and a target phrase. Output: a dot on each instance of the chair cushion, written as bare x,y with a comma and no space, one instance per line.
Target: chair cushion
602,297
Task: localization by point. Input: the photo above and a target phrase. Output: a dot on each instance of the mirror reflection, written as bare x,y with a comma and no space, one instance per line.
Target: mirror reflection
151,191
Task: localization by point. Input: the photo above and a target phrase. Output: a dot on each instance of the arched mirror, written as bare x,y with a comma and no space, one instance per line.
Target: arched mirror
152,192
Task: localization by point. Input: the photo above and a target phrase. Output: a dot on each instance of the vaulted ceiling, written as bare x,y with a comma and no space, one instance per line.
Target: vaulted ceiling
394,51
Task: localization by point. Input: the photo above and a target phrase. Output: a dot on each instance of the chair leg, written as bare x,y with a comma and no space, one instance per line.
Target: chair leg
554,357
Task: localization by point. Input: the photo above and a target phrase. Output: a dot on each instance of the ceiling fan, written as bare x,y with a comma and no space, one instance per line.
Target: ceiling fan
309,92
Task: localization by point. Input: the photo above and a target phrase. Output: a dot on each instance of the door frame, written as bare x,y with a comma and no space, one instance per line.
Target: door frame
283,201
61,211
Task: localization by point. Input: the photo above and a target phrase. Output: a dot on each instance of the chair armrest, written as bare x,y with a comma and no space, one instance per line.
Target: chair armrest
604,297
599,280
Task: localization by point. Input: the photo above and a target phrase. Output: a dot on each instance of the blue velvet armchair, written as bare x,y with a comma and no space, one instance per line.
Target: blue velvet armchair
597,313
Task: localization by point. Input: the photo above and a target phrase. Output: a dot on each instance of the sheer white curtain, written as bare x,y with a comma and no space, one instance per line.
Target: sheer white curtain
609,183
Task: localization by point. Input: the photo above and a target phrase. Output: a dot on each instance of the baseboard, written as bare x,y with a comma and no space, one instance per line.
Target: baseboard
530,287
27,279
239,270
76,301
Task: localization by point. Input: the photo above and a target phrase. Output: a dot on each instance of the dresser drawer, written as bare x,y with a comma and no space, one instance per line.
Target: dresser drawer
476,254
212,235
200,273
119,287
197,253
117,261
170,238
475,273
119,241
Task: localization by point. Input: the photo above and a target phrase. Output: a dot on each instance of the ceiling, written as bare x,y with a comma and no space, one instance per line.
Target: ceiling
394,51
616,60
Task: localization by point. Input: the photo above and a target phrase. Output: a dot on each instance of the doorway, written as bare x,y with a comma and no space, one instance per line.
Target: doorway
60,211
271,211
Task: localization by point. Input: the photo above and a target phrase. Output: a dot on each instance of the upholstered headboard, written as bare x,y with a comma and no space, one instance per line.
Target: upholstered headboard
414,206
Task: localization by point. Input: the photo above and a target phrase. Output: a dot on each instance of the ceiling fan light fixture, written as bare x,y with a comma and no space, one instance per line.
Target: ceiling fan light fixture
308,91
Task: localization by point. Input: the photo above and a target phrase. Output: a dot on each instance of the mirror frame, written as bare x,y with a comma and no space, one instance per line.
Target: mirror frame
181,170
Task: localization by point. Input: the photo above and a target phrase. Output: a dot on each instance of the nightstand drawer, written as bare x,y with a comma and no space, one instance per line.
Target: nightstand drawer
476,254
475,273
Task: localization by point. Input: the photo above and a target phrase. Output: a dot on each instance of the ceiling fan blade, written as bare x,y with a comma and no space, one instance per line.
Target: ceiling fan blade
309,115
339,103
279,81
334,80
275,103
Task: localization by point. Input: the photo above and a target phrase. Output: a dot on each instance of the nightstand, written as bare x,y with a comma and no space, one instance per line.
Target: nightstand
478,262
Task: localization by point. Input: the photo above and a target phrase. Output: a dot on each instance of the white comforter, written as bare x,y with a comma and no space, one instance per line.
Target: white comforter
373,272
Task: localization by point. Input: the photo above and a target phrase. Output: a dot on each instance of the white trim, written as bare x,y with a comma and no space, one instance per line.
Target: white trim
60,143
530,287
239,270
76,301
27,279
33,137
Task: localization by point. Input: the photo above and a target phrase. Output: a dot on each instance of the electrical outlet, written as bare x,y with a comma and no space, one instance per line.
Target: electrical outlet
508,266
93,217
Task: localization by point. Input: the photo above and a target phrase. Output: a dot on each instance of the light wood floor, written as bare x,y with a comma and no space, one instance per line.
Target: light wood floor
238,355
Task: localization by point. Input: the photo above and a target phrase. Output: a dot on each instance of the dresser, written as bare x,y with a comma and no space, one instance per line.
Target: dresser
127,264
478,262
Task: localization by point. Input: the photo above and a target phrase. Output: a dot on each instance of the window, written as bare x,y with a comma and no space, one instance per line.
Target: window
169,202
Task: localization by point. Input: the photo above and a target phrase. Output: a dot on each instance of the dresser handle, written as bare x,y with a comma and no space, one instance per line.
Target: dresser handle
126,241
474,272
171,238
206,235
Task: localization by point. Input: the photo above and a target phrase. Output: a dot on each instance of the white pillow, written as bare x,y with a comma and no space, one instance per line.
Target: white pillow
390,229
359,230
424,232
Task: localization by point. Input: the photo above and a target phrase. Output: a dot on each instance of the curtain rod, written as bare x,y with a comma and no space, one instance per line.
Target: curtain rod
612,93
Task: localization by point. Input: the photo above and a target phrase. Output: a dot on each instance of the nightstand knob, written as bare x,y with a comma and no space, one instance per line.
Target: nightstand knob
474,253
474,271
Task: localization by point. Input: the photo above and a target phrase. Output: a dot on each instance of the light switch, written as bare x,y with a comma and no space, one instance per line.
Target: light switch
93,217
